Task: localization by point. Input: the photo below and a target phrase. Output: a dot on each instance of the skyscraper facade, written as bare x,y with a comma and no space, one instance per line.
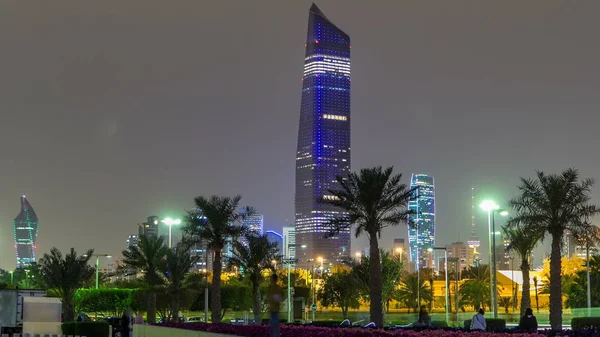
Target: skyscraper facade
277,238
289,242
323,151
254,223
25,228
421,224
150,227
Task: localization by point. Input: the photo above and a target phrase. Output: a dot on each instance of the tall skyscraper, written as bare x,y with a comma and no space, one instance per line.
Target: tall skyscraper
132,240
421,224
150,227
254,223
277,238
25,228
462,251
323,151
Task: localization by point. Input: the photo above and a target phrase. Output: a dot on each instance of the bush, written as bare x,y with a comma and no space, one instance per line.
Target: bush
585,323
439,324
492,324
88,329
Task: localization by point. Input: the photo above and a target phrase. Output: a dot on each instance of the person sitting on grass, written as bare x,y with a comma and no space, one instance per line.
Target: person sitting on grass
528,322
478,321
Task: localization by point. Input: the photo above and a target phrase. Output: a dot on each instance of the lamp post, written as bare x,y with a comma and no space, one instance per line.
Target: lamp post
445,278
11,277
320,260
170,222
98,256
289,262
491,208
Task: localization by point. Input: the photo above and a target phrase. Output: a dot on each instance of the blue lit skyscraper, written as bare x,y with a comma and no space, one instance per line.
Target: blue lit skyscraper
26,226
323,151
254,223
421,224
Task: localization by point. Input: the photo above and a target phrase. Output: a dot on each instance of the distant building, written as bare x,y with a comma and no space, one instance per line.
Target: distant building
504,258
289,243
323,147
254,223
25,227
473,242
203,265
273,236
133,240
150,227
462,252
421,223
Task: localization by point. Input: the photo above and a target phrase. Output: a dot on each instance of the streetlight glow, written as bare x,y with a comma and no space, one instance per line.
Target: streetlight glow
489,205
503,212
170,222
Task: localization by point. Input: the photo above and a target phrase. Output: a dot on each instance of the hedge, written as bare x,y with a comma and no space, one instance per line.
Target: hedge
492,324
585,323
87,329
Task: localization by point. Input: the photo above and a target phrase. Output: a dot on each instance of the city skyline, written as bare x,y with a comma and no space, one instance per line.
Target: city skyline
123,116
323,151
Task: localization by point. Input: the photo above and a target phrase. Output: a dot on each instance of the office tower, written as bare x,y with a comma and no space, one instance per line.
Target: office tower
277,238
462,252
323,151
150,227
133,240
25,228
503,257
254,223
473,242
289,242
421,224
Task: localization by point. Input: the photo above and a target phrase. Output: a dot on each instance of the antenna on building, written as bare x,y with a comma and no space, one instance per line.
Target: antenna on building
473,242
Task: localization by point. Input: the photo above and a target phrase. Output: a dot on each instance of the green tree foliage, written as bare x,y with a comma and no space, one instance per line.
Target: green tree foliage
341,289
577,292
176,266
65,276
374,199
410,286
475,290
523,240
215,220
254,256
147,258
553,204
111,301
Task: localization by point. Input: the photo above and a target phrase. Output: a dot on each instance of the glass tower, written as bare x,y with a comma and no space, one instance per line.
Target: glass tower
323,151
26,226
421,224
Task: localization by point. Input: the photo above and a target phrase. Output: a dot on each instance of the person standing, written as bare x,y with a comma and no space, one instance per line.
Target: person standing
275,297
528,322
126,325
478,321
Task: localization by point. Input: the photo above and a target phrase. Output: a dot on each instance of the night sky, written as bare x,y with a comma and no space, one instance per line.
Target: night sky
111,111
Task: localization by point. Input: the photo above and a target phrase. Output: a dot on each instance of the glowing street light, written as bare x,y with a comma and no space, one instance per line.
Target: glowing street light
170,222
492,208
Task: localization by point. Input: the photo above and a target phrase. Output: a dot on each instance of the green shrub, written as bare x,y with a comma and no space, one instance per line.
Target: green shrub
440,324
87,329
492,324
585,323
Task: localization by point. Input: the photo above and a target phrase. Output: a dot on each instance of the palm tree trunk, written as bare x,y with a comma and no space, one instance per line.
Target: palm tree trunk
555,282
256,305
216,288
151,310
69,311
175,304
375,307
525,298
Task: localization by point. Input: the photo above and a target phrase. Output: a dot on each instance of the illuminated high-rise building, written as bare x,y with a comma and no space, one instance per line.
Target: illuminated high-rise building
323,151
421,223
254,223
473,242
26,227
150,227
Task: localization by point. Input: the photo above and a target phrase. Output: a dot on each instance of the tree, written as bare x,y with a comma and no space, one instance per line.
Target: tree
537,299
147,258
577,294
215,222
410,285
341,289
523,240
372,199
176,267
65,276
553,204
254,256
505,302
475,291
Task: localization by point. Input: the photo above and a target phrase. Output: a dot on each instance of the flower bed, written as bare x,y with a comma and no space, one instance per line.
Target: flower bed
310,331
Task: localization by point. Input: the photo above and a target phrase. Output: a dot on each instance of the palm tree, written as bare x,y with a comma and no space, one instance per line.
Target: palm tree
522,241
214,223
147,258
409,286
66,275
254,256
373,199
553,204
176,267
537,300
475,291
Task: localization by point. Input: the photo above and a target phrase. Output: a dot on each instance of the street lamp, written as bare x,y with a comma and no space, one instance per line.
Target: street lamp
445,278
98,256
320,260
289,262
170,222
492,208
